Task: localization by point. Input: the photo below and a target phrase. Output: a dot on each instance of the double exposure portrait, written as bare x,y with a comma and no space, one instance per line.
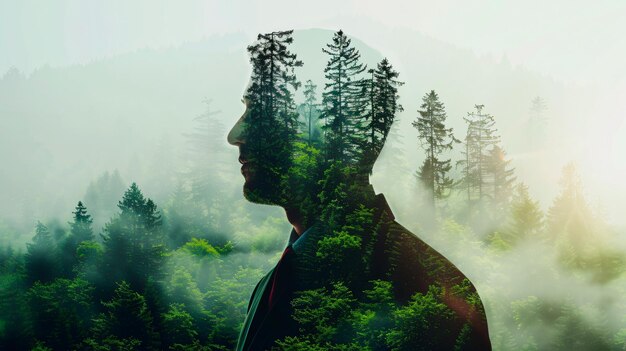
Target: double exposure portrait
332,175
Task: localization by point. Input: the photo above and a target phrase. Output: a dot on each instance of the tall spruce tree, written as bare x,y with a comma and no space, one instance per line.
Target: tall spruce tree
526,216
384,105
435,139
40,261
480,139
342,99
80,230
133,241
126,318
502,179
272,75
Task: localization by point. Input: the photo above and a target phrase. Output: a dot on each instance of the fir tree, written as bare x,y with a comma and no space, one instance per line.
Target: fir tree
435,139
81,225
126,318
502,179
526,216
40,260
383,107
133,241
480,138
80,231
342,98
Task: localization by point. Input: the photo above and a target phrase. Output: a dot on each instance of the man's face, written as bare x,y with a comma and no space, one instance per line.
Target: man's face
261,180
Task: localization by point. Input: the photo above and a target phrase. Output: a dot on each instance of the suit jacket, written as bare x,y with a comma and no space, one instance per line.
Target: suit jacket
390,253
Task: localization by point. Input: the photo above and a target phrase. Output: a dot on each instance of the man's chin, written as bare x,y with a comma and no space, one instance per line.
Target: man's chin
255,194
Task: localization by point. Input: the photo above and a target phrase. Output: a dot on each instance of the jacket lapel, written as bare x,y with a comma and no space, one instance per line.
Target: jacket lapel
253,319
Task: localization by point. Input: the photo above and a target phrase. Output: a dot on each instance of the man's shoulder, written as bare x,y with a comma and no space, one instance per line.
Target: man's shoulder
410,263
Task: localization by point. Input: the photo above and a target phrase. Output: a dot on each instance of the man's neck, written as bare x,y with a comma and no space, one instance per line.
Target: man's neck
295,218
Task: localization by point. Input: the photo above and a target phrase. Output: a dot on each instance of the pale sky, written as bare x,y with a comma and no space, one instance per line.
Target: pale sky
568,39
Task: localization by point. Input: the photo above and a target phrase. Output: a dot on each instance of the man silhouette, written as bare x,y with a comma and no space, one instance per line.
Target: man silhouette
344,239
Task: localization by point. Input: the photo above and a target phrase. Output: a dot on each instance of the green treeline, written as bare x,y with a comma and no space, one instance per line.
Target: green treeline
179,276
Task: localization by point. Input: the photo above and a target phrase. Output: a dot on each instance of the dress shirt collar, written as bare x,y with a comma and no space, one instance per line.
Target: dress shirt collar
297,242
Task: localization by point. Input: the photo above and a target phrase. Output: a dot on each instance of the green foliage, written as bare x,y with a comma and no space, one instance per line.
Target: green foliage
133,241
373,320
271,121
40,262
61,311
81,231
15,318
200,248
526,215
127,320
226,302
420,325
620,340
321,313
178,326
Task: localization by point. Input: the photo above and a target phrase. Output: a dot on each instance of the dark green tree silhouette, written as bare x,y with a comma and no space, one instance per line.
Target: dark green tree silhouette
15,318
178,327
40,261
383,107
421,324
133,241
81,230
61,312
342,98
126,320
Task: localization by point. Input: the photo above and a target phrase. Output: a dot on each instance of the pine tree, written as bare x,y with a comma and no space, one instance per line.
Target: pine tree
133,241
480,139
502,179
81,226
272,75
383,107
126,318
342,98
435,139
40,260
80,231
526,216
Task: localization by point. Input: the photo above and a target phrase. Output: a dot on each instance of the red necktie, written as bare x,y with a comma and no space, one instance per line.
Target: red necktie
278,283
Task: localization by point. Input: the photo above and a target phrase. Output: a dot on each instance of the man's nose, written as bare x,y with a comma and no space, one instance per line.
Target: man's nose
235,136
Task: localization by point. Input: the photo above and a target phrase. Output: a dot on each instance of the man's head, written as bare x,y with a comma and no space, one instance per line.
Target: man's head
288,143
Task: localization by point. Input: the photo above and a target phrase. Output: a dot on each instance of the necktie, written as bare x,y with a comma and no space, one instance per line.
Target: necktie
280,276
